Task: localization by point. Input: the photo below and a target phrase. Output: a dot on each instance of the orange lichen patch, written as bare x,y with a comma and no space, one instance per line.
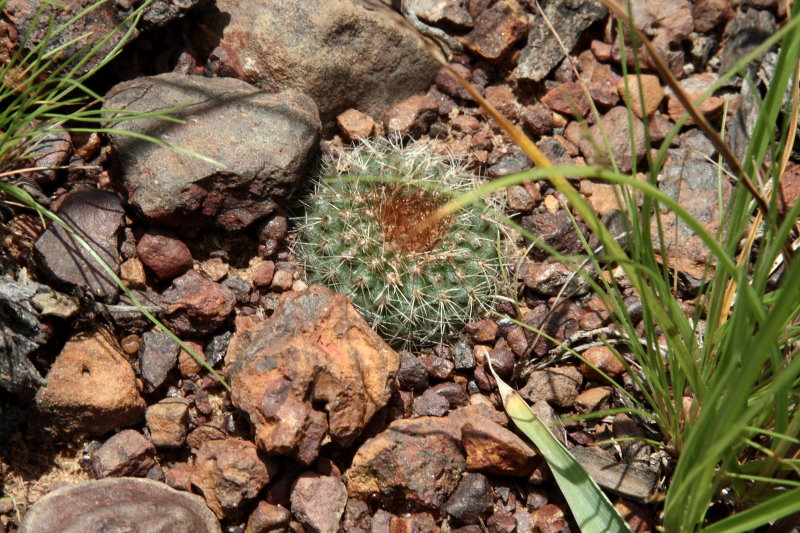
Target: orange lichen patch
401,213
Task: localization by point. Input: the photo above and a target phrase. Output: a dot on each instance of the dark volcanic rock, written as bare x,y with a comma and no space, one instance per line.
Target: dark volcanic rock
97,216
120,504
314,368
542,53
158,354
339,52
265,150
472,499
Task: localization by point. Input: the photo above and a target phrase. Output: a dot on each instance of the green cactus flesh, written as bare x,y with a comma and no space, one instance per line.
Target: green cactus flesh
365,234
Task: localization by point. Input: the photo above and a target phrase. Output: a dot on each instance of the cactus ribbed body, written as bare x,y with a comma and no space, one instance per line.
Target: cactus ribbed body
365,234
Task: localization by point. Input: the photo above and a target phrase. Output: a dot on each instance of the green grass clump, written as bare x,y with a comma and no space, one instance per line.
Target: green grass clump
369,232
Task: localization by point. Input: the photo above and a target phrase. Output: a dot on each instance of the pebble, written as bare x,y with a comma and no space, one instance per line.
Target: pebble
126,454
268,518
158,354
414,465
318,501
229,471
568,98
550,519
472,500
615,124
272,144
558,385
197,306
644,86
355,125
496,30
494,450
282,280
594,399
163,253
602,358
132,273
168,422
412,116
412,375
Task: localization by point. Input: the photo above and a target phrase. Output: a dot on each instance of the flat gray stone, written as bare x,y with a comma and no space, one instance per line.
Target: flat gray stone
265,142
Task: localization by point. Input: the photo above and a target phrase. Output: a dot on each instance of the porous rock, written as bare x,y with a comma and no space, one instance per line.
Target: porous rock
315,368
339,52
97,216
90,388
120,504
414,465
228,471
264,141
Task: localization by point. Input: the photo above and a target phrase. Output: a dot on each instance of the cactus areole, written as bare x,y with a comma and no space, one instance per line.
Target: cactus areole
367,233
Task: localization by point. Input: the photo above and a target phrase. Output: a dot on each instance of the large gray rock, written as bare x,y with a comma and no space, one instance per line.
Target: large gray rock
265,142
98,217
543,52
337,51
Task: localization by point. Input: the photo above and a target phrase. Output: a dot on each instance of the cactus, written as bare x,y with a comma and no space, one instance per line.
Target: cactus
363,235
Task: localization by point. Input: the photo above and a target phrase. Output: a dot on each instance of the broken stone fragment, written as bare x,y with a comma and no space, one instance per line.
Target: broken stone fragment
315,369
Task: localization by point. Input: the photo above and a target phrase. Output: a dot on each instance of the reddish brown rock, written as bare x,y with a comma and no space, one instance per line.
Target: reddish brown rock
615,124
559,385
538,120
602,358
263,274
708,14
282,280
164,253
268,518
179,476
594,399
483,330
603,197
215,268
644,86
168,422
518,199
90,388
494,450
132,273
197,306
229,471
502,98
496,30
314,368
450,85
414,465
318,501
128,453
694,86
638,517
355,125
413,116
789,187
187,364
550,519
568,98
466,123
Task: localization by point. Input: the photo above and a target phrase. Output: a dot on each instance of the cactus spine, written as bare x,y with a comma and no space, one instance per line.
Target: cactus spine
362,235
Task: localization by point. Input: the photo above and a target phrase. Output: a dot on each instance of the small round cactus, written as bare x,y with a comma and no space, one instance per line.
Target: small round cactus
366,233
